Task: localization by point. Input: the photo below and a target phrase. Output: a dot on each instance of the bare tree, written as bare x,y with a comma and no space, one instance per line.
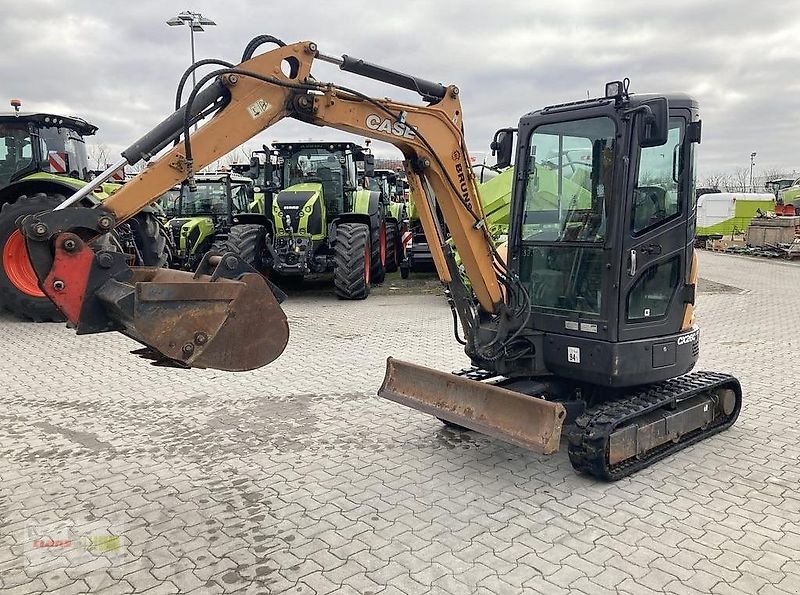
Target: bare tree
98,155
739,179
717,180
774,173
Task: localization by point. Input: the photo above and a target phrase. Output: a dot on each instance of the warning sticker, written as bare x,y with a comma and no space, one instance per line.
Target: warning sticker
574,355
258,108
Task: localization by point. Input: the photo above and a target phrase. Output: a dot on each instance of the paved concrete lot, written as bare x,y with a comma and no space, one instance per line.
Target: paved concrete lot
121,477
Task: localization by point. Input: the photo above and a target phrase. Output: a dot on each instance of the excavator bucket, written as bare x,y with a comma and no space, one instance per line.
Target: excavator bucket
514,417
191,321
226,316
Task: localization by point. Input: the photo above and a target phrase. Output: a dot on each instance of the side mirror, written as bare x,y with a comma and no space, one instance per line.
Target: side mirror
654,123
503,146
268,173
369,165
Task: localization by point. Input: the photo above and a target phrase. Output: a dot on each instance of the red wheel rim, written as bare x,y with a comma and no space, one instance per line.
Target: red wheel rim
382,243
17,266
367,263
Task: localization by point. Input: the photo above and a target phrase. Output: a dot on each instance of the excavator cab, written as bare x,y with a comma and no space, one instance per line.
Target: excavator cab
601,235
596,332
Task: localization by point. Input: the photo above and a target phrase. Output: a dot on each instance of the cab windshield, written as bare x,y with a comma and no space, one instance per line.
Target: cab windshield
211,199
568,182
568,193
313,165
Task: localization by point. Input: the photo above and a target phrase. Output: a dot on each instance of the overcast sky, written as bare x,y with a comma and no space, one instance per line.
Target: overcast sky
116,63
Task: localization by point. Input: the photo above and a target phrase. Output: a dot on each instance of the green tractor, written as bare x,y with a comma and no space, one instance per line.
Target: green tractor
42,161
393,185
324,221
197,220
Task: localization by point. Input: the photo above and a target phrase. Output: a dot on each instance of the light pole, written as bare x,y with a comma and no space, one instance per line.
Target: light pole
195,21
752,163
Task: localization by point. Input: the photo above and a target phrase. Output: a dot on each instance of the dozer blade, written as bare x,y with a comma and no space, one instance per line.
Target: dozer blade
193,321
520,419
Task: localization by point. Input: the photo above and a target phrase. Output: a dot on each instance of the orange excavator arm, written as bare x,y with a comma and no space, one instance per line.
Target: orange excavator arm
192,320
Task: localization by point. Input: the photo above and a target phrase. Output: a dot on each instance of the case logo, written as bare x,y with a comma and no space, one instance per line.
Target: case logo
375,122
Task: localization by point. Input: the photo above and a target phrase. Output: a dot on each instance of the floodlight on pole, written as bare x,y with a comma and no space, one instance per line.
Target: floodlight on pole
196,22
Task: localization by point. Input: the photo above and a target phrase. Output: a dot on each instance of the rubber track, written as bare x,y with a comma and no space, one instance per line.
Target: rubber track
589,437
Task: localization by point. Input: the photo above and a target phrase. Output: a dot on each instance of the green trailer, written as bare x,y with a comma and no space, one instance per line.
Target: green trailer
723,214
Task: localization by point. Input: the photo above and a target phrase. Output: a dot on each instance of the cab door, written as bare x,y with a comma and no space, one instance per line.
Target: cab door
657,236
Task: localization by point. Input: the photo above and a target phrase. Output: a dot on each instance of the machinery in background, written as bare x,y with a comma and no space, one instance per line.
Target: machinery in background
324,221
42,160
197,220
494,190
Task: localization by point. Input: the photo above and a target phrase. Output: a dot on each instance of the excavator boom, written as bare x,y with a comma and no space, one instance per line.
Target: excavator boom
195,320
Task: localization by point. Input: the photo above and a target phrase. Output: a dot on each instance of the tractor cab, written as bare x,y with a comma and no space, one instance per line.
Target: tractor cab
196,219
43,143
327,167
390,184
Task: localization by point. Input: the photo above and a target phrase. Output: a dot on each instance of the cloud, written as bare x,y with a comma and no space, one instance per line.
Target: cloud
117,63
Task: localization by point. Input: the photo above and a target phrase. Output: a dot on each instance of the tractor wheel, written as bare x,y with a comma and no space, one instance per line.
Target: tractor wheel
378,256
19,286
352,261
152,242
392,247
405,270
249,242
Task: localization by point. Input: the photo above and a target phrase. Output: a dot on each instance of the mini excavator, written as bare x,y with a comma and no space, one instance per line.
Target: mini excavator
582,322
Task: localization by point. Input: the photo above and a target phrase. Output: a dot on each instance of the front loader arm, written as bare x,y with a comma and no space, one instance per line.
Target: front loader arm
200,320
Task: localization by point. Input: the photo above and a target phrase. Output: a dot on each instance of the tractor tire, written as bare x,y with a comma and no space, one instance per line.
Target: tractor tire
19,286
378,256
405,271
392,247
352,261
152,242
248,242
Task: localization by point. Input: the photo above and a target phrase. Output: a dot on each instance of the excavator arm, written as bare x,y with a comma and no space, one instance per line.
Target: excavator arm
197,320
226,315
